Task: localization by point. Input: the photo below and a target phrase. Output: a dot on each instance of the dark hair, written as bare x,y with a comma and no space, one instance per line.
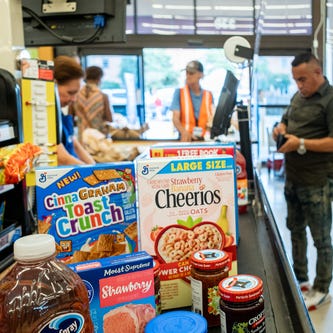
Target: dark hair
94,73
67,69
305,57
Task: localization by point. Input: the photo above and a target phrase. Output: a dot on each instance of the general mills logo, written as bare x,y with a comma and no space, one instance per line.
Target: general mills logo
238,169
145,170
42,177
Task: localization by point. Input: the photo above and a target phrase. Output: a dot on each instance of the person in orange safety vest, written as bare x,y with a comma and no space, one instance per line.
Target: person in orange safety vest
192,106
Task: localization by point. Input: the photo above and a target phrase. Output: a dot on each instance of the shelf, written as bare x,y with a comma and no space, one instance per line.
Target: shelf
7,131
9,235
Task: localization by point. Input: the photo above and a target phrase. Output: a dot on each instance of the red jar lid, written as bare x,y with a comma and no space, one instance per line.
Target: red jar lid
241,288
210,259
156,267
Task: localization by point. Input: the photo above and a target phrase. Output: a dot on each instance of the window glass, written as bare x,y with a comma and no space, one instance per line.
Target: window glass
281,17
130,18
274,88
224,17
329,41
165,17
220,17
121,83
164,72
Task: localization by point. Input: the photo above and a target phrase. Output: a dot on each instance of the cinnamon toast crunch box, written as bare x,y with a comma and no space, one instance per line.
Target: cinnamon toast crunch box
185,205
120,290
90,209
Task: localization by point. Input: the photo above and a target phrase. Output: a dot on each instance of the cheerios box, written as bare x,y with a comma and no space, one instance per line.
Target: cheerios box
90,209
185,205
198,149
120,291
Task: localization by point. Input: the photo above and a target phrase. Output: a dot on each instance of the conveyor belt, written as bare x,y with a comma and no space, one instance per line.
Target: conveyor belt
261,252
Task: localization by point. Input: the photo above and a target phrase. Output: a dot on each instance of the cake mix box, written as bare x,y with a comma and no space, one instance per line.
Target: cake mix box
90,209
120,290
185,204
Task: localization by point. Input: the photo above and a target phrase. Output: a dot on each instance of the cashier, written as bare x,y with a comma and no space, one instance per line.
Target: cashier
68,75
192,106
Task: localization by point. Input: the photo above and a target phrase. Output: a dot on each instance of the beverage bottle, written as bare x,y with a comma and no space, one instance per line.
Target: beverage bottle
40,294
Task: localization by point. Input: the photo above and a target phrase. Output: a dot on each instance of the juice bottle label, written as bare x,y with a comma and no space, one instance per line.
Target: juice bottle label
71,322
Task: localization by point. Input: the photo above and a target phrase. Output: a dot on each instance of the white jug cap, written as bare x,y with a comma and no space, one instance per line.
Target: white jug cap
32,247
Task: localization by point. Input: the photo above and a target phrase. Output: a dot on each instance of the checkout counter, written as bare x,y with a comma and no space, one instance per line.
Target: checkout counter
261,252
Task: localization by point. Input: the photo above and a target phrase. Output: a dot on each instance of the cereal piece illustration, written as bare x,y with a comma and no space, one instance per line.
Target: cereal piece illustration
176,242
106,174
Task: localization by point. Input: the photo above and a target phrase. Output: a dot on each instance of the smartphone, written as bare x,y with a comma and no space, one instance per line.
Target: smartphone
280,141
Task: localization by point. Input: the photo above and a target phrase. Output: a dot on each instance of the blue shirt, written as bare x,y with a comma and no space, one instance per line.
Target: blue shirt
68,133
196,101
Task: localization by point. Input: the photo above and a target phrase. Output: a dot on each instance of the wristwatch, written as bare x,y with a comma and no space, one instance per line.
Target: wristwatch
301,149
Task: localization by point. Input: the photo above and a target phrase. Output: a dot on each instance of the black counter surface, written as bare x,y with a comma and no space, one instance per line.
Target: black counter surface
261,252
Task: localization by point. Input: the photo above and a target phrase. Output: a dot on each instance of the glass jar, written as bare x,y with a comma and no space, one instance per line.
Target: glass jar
209,267
157,286
242,304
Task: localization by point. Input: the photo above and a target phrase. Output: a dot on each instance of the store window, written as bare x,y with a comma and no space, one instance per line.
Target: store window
274,89
286,17
136,103
165,17
121,82
218,17
224,17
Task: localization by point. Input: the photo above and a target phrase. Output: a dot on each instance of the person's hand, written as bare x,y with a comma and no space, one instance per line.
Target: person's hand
186,136
279,129
291,144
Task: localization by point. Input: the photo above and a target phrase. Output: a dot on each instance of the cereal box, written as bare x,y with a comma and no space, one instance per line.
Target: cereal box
120,290
89,209
189,149
185,204
195,149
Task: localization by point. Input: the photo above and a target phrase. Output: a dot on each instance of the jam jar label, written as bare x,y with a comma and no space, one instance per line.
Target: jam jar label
65,323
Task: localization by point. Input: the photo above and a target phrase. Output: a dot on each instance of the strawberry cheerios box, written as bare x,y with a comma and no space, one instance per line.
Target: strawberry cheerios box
90,210
185,205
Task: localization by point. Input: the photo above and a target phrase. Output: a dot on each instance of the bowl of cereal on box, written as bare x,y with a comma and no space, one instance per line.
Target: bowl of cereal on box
178,241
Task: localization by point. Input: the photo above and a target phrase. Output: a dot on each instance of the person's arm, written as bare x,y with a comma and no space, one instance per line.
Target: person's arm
185,136
175,109
108,109
82,153
65,158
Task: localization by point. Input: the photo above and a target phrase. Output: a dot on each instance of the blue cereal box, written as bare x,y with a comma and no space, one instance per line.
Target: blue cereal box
121,291
90,210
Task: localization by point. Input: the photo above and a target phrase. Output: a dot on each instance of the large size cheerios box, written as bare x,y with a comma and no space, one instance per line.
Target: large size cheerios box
185,205
90,210
120,290
198,149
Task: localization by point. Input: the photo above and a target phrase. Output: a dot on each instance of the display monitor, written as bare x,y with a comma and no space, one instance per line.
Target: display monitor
80,22
225,106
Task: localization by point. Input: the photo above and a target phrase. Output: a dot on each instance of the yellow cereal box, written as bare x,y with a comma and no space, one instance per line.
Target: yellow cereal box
185,205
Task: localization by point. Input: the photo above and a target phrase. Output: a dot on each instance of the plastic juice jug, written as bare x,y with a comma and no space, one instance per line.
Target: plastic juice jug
41,294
